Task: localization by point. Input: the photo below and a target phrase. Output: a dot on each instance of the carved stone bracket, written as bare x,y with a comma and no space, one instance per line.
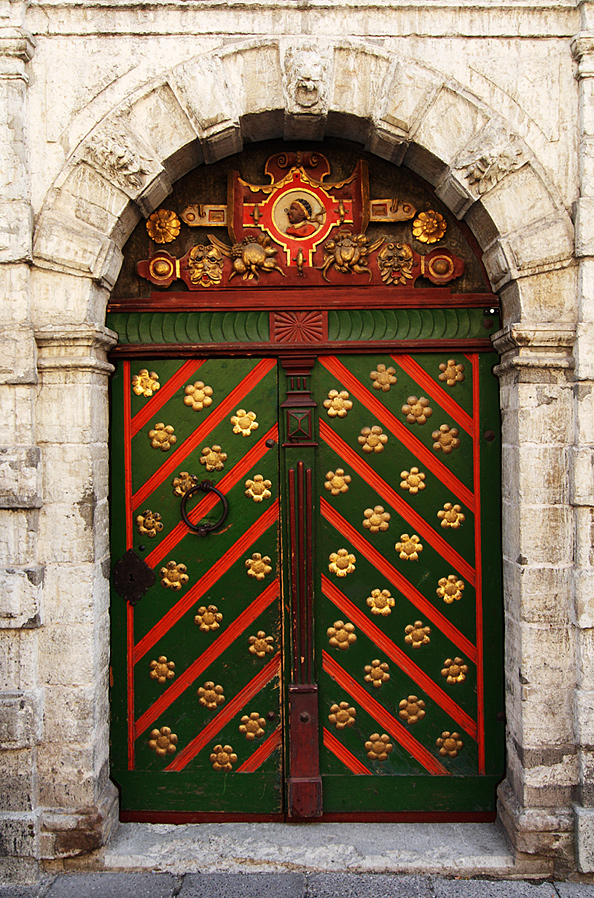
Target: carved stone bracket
544,345
82,348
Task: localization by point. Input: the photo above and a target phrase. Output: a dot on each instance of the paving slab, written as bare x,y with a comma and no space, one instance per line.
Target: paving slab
370,885
459,888
114,885
575,889
243,885
19,891
471,849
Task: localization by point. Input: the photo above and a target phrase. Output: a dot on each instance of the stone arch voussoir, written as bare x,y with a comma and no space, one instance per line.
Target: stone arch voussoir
205,108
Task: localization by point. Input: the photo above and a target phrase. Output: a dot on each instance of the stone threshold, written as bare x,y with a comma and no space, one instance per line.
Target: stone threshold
446,849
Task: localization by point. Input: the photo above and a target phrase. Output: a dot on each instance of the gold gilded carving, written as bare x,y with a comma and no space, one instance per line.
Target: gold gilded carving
145,383
202,215
381,602
162,670
372,439
417,410
376,673
395,262
411,710
417,635
252,726
205,264
341,563
162,436
449,744
341,635
383,378
210,696
451,516
451,373
163,226
198,396
261,644
149,523
244,422
338,404
450,589
445,439
250,257
208,619
258,567
183,482
223,757
163,742
174,576
409,547
454,670
429,227
376,519
258,488
213,459
337,482
391,210
342,715
413,481
348,253
378,747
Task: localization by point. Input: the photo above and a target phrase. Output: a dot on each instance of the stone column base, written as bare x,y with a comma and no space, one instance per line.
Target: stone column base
70,833
543,838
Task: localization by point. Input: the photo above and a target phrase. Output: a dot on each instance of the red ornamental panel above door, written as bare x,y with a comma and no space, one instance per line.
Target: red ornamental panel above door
364,626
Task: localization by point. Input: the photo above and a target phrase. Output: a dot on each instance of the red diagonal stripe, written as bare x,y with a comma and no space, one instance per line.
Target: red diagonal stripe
406,437
388,723
227,637
262,753
206,504
224,408
424,380
227,713
380,486
343,754
396,578
168,389
206,581
383,642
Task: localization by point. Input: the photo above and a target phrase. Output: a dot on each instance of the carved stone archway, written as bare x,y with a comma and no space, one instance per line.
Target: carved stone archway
122,167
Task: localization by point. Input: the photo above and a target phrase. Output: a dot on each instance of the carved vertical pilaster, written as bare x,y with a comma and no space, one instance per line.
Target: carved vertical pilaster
21,577
304,781
582,460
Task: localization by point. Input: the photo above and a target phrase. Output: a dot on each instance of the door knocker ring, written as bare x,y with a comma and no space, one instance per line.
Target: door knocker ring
205,486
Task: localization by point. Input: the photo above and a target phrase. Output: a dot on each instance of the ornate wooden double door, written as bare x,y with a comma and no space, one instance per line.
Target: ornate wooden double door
306,607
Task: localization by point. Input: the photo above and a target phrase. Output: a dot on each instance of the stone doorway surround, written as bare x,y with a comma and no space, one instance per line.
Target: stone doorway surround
122,153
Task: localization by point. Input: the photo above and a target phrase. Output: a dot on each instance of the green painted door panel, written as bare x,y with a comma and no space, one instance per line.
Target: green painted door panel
409,623
197,661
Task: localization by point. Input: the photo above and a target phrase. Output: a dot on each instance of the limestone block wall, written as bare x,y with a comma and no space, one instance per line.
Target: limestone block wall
103,108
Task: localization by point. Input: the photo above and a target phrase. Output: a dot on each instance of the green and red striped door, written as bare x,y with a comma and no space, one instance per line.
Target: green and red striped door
408,619
355,579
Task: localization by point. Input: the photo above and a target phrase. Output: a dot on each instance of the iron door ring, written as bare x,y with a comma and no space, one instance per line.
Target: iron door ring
205,486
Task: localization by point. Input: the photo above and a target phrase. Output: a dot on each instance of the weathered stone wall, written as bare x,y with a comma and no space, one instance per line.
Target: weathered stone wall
103,108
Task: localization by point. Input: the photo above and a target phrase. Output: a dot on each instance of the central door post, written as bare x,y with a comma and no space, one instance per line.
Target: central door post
304,781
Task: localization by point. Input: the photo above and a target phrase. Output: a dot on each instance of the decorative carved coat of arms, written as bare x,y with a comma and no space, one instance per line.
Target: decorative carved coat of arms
300,224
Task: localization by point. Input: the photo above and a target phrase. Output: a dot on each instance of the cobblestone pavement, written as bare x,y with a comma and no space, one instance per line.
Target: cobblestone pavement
287,885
